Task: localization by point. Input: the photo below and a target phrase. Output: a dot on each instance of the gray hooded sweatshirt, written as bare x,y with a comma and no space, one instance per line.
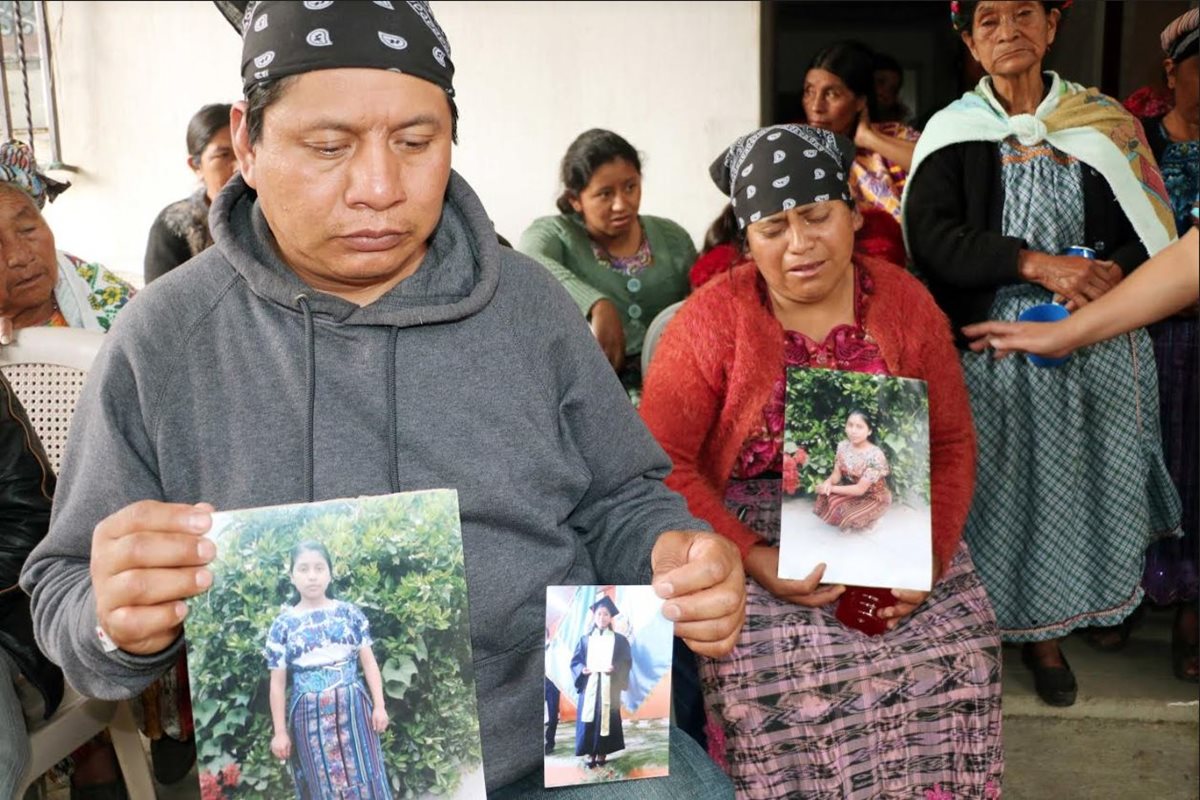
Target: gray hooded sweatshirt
230,381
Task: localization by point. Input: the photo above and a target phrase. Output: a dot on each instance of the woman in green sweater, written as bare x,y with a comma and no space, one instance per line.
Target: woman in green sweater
621,268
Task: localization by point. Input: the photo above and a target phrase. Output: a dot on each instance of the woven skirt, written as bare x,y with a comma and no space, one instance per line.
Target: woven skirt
1070,484
812,709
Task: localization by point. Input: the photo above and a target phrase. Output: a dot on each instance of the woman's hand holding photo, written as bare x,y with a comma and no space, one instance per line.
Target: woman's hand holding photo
908,600
762,564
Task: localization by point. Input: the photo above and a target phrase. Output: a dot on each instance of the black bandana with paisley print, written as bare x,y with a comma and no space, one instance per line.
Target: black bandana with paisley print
781,167
288,38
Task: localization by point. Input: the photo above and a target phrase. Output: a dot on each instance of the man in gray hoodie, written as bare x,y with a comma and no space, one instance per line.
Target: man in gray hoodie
355,330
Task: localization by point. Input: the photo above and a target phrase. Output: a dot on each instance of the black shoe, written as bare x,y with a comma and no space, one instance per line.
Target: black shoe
172,758
1055,685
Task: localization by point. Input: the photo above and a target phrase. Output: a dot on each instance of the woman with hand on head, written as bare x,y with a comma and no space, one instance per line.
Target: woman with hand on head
329,729
856,495
1004,181
794,699
181,229
621,267
839,96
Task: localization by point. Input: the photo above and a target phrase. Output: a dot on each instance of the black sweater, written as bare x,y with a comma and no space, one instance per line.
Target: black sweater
26,487
954,212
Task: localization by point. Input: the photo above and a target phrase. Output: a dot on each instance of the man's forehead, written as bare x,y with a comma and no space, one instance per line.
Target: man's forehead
361,98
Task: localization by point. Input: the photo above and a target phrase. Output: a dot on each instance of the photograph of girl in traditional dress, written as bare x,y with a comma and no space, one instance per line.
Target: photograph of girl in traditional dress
856,479
332,657
608,681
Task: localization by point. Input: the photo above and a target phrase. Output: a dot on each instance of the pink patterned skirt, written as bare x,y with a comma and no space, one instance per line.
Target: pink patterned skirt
810,708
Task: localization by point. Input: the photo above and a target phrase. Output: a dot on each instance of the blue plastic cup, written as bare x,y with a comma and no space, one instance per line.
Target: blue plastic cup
1045,312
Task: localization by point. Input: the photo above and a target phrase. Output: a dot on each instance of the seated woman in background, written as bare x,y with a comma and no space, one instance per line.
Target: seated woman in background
41,284
621,267
856,495
839,96
44,286
181,229
797,701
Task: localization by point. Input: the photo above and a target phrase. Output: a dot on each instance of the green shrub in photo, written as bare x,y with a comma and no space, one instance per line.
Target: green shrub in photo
817,404
399,559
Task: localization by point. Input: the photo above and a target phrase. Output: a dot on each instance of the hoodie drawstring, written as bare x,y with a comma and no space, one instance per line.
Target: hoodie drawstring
310,376
393,413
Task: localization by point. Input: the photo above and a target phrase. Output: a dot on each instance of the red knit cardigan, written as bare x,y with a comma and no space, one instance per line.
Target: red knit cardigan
718,360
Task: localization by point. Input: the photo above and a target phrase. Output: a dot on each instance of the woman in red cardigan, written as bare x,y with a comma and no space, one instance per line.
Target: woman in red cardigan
809,707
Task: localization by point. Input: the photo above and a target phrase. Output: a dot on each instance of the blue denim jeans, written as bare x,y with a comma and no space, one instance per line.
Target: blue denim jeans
14,741
693,777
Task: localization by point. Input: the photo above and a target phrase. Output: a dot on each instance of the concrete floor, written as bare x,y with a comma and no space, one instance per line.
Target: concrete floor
1133,733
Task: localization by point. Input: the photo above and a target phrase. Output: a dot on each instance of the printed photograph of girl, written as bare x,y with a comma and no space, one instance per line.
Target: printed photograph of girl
332,656
856,480
856,495
608,672
328,729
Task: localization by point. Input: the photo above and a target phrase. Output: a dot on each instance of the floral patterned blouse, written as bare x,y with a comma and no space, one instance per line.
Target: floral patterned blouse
108,294
315,637
874,180
846,347
869,463
641,259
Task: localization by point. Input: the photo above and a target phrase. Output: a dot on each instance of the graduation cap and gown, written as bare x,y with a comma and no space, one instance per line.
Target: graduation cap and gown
598,728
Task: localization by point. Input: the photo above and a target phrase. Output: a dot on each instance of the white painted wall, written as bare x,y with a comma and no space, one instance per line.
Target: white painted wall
679,80
129,77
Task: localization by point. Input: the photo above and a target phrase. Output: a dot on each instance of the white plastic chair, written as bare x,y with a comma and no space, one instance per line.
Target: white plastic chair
654,333
46,368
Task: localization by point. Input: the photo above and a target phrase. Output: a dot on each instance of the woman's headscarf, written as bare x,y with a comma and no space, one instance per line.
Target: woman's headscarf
1179,39
18,167
289,38
781,167
963,11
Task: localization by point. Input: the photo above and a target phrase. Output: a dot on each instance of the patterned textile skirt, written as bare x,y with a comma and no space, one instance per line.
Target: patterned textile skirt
813,709
335,752
1070,483
853,513
1171,568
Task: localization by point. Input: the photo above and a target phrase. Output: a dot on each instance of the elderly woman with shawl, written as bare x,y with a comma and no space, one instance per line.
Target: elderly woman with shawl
1071,481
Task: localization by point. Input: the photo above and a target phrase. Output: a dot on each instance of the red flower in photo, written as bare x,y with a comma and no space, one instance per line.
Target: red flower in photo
231,775
210,787
791,474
